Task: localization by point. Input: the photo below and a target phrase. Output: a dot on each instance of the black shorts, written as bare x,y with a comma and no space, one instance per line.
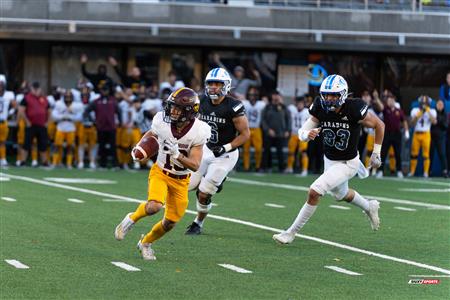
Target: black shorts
38,132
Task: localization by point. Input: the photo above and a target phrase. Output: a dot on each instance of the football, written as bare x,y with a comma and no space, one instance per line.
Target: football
146,148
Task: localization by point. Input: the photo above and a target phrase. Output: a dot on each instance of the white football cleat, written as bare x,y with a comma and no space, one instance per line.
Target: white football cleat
136,165
92,165
399,174
80,165
288,171
379,174
123,228
3,163
146,250
304,173
284,237
34,163
372,214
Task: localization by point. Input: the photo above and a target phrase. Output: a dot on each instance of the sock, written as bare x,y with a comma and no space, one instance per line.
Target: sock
413,165
34,154
366,161
119,155
305,163
199,223
426,165
56,158
360,201
69,159
156,233
2,152
303,216
139,213
392,166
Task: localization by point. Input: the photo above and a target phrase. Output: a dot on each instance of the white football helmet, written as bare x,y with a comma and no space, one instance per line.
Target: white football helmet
335,85
218,75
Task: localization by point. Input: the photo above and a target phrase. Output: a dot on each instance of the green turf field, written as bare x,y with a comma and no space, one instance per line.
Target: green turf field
69,246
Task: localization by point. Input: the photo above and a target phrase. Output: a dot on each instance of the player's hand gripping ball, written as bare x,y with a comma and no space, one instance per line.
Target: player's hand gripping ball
146,148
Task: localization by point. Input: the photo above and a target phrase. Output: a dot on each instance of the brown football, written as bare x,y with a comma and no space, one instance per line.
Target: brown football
147,147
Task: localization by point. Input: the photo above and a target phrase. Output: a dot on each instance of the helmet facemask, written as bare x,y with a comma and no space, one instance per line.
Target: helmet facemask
332,105
187,112
223,91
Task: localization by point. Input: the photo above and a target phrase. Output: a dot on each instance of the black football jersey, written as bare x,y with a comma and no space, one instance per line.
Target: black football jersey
220,118
340,131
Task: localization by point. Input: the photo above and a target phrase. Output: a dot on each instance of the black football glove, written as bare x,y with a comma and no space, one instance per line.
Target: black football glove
218,150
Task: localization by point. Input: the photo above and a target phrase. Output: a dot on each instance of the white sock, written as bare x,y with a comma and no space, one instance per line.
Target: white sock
360,201
199,223
303,216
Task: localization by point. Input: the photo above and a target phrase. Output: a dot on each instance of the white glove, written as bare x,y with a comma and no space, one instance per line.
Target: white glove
171,148
375,161
407,134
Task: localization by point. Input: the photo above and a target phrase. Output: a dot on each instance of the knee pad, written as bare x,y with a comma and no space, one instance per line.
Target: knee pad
426,158
414,156
220,187
204,208
207,187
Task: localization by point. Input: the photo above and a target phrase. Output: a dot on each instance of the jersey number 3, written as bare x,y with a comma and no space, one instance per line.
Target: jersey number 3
339,140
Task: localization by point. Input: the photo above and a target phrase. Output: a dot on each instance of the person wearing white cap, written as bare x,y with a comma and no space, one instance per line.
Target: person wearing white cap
6,98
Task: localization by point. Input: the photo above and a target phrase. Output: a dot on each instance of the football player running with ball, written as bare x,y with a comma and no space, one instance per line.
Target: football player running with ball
339,121
229,130
181,136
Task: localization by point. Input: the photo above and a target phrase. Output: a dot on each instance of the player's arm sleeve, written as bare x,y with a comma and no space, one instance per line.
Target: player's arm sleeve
238,109
314,108
203,136
156,124
303,132
56,115
359,110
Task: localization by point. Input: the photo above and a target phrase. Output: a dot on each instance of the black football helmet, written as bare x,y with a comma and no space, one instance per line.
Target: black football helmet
187,101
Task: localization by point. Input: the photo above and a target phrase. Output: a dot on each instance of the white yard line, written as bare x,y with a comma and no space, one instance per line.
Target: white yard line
341,270
80,180
75,200
274,205
17,264
237,221
9,199
235,268
340,207
114,200
304,188
404,208
423,181
430,276
125,266
425,190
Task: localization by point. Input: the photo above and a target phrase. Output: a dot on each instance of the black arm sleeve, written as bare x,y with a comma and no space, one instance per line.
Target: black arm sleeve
86,73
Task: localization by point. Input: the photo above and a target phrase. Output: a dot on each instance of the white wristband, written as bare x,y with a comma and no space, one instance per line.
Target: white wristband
227,147
376,149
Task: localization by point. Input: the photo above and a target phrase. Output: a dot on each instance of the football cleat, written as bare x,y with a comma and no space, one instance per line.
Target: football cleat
372,214
123,228
193,229
146,250
284,237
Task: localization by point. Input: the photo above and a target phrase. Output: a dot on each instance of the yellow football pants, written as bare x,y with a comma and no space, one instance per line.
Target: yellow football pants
294,144
4,130
256,141
420,140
